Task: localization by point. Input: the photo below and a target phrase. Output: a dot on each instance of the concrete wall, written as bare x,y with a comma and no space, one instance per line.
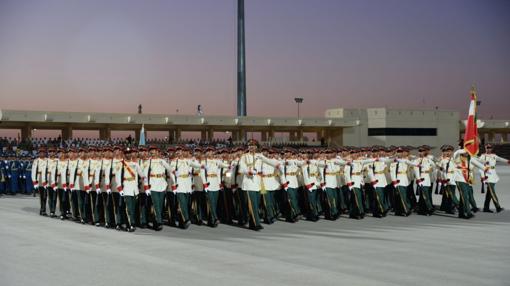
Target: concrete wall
351,136
446,122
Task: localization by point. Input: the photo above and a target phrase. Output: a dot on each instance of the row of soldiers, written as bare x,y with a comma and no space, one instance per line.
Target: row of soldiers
15,174
125,187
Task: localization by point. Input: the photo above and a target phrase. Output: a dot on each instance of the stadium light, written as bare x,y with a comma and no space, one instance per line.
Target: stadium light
298,100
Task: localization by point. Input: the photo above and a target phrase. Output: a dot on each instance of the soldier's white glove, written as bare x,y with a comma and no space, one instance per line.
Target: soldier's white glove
98,191
148,192
109,191
87,191
121,193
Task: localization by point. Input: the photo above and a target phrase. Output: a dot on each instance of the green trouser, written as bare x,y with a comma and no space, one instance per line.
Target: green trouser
472,201
368,193
198,211
346,196
74,204
465,198
402,204
269,207
379,201
158,201
357,204
424,203
320,199
340,202
144,206
445,200
43,197
491,195
183,207
64,201
95,204
107,201
130,209
82,208
332,198
241,206
52,199
117,203
313,211
212,205
252,207
411,197
227,205
389,196
293,203
171,205
449,200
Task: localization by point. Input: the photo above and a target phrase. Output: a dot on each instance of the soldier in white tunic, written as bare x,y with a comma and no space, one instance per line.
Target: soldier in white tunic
490,178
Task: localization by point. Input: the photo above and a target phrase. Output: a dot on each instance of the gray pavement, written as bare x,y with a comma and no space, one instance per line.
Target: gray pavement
418,250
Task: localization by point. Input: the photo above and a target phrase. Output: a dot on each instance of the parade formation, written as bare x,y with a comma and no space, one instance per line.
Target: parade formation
123,188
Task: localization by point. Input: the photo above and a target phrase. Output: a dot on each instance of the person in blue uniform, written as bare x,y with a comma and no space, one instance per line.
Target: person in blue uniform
3,176
27,174
4,173
21,178
14,174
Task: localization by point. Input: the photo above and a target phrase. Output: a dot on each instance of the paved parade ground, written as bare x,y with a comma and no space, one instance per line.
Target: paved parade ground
418,250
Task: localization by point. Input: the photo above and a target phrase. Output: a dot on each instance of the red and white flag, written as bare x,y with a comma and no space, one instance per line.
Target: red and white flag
471,141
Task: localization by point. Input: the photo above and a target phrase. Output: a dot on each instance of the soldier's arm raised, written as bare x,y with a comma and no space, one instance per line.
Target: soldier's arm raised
500,159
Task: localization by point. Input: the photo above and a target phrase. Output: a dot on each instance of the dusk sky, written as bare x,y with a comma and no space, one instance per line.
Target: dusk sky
109,56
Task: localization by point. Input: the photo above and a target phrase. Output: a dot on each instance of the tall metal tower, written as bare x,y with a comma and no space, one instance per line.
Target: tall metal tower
241,61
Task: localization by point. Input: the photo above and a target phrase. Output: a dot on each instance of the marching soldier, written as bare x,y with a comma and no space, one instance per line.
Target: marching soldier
72,168
171,201
490,178
182,171
156,173
226,200
106,178
60,183
269,186
144,200
250,167
198,197
330,168
51,173
312,179
81,184
411,197
115,198
464,179
449,199
94,193
377,174
353,173
290,170
423,169
240,199
39,172
211,176
400,181
128,177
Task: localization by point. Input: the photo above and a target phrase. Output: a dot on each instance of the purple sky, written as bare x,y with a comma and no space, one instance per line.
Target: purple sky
109,56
